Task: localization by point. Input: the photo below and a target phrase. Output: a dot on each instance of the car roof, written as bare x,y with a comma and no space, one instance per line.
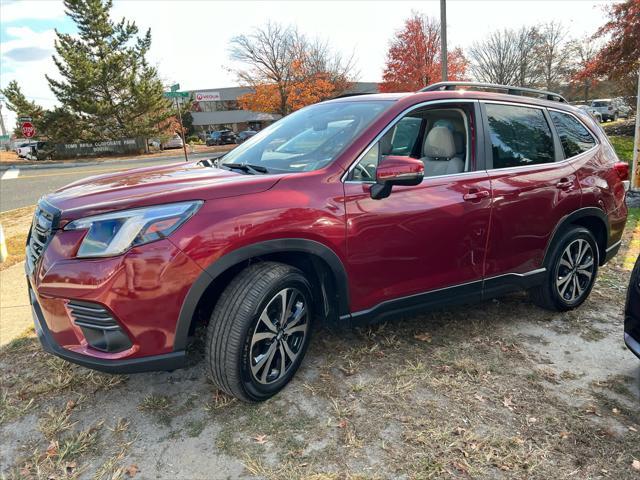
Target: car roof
601,100
417,97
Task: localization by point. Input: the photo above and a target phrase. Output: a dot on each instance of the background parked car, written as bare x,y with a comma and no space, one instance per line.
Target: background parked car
173,142
221,137
24,149
610,108
624,110
632,312
591,111
244,135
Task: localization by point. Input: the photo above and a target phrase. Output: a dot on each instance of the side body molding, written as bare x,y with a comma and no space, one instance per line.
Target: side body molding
240,255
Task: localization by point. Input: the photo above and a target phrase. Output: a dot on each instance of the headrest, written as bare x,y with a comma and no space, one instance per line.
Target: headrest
439,143
445,123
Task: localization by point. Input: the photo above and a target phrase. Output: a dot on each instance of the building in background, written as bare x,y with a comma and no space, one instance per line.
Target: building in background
218,109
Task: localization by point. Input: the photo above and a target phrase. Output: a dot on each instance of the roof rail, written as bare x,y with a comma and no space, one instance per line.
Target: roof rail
510,90
352,94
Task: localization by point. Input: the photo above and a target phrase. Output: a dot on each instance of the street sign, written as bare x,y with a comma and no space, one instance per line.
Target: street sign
24,119
176,94
28,130
175,87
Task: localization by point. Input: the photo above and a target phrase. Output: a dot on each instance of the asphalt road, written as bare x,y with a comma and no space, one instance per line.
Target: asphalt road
21,188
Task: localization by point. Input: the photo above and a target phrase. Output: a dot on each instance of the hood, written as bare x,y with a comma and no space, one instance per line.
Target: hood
154,185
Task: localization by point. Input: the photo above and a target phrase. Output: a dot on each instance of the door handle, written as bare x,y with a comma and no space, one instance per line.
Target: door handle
474,195
565,184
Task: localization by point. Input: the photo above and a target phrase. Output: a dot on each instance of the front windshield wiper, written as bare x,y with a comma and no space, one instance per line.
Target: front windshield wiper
246,167
211,162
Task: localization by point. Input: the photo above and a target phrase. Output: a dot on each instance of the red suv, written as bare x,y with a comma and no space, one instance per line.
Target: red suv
355,208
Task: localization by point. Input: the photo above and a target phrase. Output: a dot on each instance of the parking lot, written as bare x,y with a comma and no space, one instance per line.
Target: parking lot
496,390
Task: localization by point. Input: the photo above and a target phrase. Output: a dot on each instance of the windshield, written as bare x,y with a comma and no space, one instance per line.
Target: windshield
600,104
308,139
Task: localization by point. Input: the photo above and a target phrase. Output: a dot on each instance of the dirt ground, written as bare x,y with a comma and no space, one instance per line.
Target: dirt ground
496,390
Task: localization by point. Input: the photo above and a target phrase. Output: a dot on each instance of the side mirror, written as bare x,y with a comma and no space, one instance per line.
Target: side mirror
396,170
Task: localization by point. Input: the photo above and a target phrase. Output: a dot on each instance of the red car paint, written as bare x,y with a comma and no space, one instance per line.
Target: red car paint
446,231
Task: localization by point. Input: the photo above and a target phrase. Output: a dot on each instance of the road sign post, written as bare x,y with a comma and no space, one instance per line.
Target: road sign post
175,94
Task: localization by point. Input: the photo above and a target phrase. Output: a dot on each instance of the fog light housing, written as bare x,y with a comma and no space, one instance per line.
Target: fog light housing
98,326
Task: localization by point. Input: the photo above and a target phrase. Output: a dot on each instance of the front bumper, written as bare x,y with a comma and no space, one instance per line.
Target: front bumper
142,290
167,361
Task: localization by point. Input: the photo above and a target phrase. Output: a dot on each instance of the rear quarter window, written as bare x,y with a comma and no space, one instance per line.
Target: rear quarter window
574,136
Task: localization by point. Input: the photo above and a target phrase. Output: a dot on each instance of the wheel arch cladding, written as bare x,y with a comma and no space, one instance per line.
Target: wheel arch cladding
313,258
591,218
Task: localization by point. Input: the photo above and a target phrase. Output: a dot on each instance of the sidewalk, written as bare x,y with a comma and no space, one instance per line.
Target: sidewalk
15,314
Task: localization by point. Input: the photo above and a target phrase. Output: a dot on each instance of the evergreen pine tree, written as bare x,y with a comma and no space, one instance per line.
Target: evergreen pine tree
106,80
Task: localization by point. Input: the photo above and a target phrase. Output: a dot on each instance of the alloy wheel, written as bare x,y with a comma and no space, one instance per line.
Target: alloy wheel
279,336
575,270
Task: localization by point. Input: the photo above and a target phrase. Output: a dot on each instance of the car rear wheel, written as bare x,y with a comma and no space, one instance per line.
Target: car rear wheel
571,271
259,331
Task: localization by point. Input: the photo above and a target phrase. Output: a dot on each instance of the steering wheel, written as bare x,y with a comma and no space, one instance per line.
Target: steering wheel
364,173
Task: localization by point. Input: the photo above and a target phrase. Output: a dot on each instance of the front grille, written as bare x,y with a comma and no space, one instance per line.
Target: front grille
45,221
98,326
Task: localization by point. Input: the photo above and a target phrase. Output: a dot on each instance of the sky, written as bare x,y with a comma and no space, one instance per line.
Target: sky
191,38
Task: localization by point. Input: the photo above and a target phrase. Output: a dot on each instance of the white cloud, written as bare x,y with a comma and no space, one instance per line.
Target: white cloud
26,58
33,10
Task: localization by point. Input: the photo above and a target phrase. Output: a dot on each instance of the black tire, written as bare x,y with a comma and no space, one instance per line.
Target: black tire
557,291
237,320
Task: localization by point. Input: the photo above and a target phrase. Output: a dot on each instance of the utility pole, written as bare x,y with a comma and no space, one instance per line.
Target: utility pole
443,38
3,130
635,166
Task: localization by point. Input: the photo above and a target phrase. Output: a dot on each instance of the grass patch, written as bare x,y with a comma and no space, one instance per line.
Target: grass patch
159,406
15,224
623,145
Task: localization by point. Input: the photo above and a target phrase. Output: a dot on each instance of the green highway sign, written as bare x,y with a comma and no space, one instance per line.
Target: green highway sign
175,87
176,94
4,138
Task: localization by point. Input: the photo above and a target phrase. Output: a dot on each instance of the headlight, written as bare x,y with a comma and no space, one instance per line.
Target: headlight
113,233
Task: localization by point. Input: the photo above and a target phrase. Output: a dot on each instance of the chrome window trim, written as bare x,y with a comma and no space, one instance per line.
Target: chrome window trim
391,124
449,175
514,104
539,165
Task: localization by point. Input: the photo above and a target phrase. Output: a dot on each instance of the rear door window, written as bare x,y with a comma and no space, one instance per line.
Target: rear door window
574,136
520,136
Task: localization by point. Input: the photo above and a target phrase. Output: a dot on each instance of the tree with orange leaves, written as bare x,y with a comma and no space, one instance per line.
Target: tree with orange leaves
413,59
287,71
619,58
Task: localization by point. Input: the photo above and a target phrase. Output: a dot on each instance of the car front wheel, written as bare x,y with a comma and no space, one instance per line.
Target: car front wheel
259,331
571,271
